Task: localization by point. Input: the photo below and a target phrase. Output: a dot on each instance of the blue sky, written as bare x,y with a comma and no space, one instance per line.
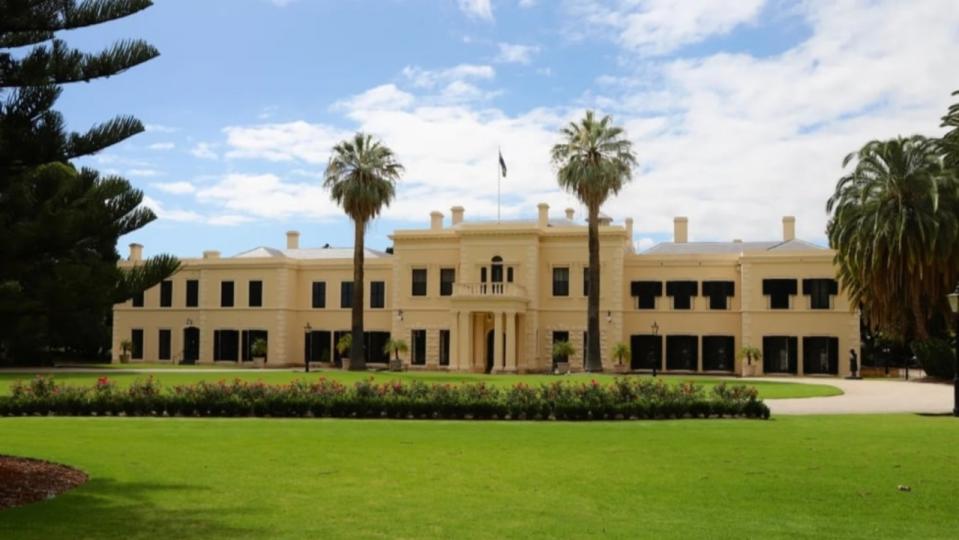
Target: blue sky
740,111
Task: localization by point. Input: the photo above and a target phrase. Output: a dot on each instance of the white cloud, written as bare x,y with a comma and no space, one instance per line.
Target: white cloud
423,78
144,173
661,26
289,141
386,96
515,53
481,9
162,146
267,196
176,188
203,150
163,213
527,3
644,243
160,128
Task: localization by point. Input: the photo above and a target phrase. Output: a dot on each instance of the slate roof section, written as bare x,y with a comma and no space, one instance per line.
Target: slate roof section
308,253
719,248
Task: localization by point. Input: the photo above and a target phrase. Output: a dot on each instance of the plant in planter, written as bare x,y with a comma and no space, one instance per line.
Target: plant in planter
621,352
395,347
258,351
125,347
343,346
562,350
750,354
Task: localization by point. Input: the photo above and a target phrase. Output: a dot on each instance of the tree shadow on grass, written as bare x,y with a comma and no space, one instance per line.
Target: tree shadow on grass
104,508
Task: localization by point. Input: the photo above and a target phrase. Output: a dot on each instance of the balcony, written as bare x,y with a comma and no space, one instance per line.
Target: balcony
488,290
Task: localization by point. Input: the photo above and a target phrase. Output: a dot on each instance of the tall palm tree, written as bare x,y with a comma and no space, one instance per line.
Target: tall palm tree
594,161
895,228
950,141
361,176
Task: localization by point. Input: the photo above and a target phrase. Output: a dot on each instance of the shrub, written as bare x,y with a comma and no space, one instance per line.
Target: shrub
936,357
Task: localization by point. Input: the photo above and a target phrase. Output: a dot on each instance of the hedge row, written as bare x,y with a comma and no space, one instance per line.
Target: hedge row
623,399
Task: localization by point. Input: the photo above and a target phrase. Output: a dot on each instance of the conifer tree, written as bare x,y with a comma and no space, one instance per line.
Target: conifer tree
60,224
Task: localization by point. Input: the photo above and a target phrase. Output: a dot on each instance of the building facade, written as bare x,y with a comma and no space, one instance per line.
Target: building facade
495,296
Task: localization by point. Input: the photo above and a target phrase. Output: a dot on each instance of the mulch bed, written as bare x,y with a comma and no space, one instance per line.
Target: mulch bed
25,480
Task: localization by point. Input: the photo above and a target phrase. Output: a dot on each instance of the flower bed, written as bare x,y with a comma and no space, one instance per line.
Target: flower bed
623,399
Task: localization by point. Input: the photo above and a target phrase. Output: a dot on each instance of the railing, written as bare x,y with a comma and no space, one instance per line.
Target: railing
488,289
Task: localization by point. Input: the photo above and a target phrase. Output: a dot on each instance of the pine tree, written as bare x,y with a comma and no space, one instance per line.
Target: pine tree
60,224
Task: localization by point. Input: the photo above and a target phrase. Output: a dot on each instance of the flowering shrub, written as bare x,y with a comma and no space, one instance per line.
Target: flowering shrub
624,398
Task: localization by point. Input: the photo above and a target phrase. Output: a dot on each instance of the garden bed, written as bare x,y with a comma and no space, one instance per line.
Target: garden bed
623,399
24,481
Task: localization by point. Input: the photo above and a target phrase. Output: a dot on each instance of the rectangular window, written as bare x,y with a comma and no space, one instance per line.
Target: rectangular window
418,348
646,351
256,293
780,354
375,342
247,339
682,352
820,292
419,282
319,294
509,274
192,293
226,345
166,293
718,293
377,294
645,293
444,347
560,335
136,340
561,281
682,293
318,346
483,274
718,352
346,294
163,349
586,281
447,278
779,291
226,294
137,299
820,355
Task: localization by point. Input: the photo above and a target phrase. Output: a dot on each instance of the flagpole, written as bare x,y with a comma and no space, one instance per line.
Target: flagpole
498,180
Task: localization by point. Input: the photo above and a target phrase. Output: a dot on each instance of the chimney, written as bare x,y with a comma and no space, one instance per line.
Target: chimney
569,214
629,233
543,220
680,230
457,213
789,228
136,252
292,239
211,254
436,220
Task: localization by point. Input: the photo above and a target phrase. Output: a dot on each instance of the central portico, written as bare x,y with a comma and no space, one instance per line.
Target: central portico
488,318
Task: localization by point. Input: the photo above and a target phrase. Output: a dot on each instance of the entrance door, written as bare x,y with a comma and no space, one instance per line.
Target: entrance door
489,351
191,345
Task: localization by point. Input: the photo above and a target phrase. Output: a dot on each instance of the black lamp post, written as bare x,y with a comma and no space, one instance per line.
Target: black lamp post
656,359
308,330
954,306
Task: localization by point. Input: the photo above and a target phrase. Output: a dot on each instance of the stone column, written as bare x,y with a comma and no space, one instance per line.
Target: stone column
511,342
497,340
466,341
454,351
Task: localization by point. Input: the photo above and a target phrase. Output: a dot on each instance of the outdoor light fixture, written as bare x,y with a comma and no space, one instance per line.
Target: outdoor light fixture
954,306
189,322
609,316
307,332
655,329
399,315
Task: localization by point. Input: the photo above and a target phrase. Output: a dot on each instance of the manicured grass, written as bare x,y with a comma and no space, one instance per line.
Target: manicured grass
789,477
767,389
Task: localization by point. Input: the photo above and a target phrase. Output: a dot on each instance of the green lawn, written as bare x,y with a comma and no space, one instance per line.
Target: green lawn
789,477
767,389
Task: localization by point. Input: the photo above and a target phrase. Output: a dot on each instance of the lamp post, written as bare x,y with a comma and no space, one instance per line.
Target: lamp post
954,306
308,332
656,359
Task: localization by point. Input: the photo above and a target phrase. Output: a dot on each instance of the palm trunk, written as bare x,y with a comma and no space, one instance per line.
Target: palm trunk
594,361
357,354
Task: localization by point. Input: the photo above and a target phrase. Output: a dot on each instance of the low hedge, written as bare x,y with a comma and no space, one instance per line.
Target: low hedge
623,399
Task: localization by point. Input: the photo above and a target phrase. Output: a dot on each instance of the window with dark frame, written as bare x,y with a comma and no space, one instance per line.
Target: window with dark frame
319,295
346,294
496,269
418,347
226,294
256,293
509,274
719,293
226,345
645,293
820,292
418,285
444,347
682,293
561,281
163,344
136,341
166,293
192,293
779,291
137,299
447,278
377,294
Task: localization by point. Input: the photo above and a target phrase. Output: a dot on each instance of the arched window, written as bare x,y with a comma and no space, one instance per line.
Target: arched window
496,270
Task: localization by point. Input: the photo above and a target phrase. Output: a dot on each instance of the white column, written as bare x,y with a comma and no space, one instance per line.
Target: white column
466,341
454,351
511,342
497,341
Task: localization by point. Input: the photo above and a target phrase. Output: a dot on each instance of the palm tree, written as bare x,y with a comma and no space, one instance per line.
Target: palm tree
895,229
361,176
594,160
562,350
621,352
395,347
950,141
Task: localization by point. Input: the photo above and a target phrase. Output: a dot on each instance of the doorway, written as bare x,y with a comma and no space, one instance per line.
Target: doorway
191,345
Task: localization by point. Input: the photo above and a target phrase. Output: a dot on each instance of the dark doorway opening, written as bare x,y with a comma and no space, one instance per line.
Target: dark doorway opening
718,353
191,345
820,355
681,353
647,351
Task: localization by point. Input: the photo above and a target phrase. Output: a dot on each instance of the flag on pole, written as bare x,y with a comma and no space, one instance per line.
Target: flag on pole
502,164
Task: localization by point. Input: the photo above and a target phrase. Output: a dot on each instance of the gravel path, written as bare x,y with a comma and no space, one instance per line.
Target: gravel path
870,396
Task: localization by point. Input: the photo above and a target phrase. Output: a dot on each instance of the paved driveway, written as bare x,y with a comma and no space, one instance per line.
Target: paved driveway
870,396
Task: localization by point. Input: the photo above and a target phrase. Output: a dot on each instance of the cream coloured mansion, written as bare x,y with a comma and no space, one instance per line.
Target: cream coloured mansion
495,296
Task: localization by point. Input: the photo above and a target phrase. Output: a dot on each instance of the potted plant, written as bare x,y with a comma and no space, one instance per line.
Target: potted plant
125,347
395,347
562,350
343,346
620,353
750,354
258,351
